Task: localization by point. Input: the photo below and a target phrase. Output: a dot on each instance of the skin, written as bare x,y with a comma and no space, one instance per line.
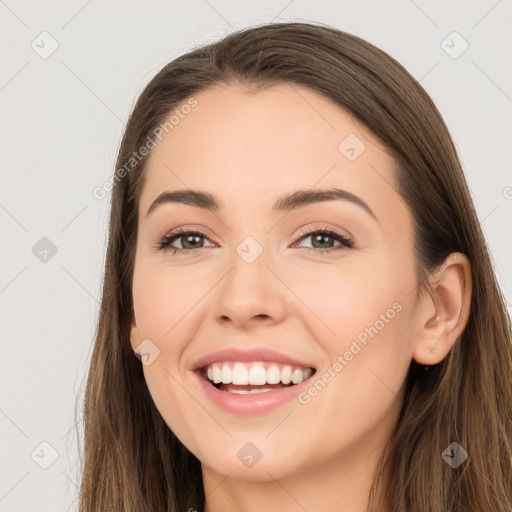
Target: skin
248,149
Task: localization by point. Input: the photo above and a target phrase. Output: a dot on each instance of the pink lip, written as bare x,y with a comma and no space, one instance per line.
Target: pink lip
246,355
257,403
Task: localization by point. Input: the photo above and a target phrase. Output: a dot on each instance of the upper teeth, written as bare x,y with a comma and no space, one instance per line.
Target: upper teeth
256,374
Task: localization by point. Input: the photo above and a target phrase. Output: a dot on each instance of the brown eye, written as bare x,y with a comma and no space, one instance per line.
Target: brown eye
189,240
324,240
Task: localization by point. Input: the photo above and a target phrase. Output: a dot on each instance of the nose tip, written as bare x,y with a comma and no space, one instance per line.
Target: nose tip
249,293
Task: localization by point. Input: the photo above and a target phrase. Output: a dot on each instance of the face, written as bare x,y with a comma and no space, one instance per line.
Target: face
301,311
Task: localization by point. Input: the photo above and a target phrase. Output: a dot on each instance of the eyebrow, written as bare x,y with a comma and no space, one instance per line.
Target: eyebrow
286,203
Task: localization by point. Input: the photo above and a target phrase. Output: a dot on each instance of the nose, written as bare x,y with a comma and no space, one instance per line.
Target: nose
250,294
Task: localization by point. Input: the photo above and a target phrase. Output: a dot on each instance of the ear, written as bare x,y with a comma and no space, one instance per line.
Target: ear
445,311
134,333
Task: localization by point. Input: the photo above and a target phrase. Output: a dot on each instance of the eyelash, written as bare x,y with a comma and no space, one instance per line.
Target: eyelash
347,242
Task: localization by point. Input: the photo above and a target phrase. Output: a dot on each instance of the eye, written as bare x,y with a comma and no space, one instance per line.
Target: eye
320,237
190,240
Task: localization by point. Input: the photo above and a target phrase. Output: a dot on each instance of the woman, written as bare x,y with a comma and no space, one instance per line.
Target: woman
295,259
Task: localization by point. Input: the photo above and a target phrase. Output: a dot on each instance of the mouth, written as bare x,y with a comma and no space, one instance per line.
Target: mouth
246,378
249,381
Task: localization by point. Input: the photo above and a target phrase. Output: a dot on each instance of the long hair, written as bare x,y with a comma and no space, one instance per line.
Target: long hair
133,462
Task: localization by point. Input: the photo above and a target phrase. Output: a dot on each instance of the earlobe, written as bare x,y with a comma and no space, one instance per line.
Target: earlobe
450,301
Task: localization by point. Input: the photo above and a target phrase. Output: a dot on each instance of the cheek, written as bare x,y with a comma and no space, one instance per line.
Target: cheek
362,321
360,390
163,302
349,301
168,307
178,410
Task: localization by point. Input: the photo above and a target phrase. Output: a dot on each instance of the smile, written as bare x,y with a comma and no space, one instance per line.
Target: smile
258,377
248,381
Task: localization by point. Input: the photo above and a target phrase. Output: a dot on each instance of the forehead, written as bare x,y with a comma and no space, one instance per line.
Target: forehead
247,146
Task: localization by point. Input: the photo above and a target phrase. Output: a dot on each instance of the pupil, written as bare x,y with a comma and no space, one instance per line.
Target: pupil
319,237
189,238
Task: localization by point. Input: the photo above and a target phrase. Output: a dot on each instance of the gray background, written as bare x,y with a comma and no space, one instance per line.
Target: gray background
62,119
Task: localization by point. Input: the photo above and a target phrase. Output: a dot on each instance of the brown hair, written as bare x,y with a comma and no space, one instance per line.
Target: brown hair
132,461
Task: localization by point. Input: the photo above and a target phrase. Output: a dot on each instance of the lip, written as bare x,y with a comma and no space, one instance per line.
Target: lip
248,355
257,403
251,404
